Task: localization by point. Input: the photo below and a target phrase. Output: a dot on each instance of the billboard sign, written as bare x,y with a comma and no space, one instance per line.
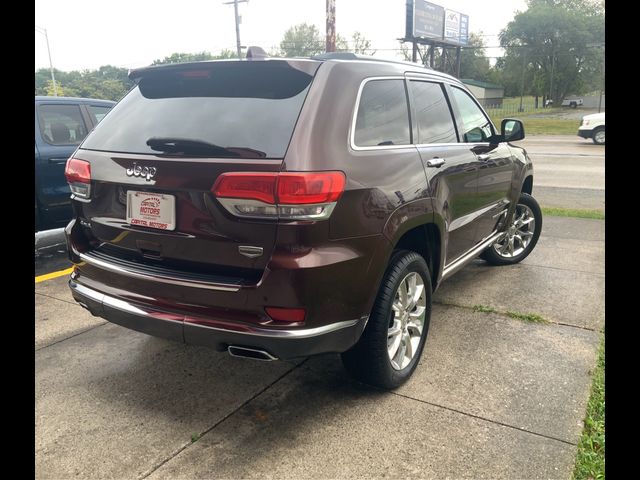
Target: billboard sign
451,25
428,20
464,29
456,27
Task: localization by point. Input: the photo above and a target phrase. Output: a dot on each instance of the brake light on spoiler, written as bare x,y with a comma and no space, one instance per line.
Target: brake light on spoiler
284,195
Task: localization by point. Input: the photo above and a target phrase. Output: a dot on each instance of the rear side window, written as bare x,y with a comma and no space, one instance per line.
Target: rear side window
224,109
61,124
435,123
98,112
383,114
476,126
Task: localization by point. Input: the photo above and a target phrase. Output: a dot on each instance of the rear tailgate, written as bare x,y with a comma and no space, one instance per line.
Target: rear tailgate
160,150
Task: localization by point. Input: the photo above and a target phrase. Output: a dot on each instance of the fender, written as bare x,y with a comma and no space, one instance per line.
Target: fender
407,217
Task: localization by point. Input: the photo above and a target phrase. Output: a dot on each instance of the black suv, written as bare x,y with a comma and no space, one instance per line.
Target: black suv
280,208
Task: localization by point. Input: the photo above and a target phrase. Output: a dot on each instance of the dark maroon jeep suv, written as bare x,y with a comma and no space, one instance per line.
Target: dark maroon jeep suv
280,208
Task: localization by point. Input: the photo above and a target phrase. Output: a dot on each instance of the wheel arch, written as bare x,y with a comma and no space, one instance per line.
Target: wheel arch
527,185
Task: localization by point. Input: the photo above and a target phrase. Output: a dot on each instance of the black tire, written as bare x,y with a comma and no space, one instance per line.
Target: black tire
598,139
573,105
492,255
369,360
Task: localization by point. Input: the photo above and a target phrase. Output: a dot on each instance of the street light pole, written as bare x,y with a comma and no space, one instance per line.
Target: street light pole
43,31
235,9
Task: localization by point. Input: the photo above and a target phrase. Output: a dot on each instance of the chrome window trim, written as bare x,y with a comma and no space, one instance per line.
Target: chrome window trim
407,76
354,117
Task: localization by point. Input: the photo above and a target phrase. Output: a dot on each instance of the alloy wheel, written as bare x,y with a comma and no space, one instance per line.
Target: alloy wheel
407,324
517,237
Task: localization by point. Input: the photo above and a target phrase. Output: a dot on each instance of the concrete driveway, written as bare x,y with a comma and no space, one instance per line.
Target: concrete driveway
494,397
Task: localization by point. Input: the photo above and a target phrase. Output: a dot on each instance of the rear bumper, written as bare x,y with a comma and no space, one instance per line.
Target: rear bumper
184,327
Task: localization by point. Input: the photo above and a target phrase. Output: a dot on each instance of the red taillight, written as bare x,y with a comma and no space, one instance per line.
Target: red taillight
312,187
283,188
248,186
78,171
291,315
287,195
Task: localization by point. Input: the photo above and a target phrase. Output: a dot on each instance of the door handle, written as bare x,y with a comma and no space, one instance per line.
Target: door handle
435,162
57,160
483,157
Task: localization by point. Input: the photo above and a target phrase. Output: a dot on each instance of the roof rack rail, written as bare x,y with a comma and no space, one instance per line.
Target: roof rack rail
338,56
369,58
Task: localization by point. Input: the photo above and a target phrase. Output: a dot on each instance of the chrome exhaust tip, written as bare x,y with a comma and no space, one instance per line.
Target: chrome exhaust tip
253,353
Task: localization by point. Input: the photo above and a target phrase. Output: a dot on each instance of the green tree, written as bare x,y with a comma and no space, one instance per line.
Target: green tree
405,52
196,57
474,63
360,44
555,42
302,40
107,82
341,44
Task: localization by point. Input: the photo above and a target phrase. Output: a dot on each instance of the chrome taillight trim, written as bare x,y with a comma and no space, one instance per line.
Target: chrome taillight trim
80,190
279,211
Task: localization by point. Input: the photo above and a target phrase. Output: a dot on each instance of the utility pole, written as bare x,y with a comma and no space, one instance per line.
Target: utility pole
43,31
553,67
331,26
238,20
524,66
602,85
556,34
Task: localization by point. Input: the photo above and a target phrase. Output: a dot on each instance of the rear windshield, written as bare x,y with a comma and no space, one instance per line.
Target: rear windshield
225,109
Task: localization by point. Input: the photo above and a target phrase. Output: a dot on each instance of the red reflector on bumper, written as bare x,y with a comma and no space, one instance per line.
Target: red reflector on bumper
286,314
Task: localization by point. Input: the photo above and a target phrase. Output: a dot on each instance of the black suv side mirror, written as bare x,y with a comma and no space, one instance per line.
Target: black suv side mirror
511,130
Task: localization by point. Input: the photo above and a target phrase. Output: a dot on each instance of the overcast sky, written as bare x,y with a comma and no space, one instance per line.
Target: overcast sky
85,34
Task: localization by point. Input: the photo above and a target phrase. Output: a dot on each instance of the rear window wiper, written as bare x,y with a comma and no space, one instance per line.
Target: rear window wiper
184,146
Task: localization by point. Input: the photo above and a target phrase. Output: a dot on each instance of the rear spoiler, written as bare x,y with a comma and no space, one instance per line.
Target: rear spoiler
306,65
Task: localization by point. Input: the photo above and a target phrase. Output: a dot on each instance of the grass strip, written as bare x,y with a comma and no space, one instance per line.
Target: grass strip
573,212
525,317
590,456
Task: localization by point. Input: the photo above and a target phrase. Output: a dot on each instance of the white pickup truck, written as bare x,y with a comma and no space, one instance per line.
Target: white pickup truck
572,102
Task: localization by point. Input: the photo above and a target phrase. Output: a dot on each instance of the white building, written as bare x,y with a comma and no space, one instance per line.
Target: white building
489,95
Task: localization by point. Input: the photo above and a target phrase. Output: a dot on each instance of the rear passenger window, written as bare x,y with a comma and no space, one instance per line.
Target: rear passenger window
435,123
383,114
98,112
61,124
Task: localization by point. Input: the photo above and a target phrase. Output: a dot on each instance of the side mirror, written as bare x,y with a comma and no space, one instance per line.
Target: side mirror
512,130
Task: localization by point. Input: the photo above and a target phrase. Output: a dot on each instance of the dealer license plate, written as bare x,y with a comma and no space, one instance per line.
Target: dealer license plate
153,210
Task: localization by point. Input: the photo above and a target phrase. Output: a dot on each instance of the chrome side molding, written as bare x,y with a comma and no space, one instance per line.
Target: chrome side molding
474,252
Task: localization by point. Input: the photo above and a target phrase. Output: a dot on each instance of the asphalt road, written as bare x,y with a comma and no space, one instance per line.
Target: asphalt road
493,397
568,171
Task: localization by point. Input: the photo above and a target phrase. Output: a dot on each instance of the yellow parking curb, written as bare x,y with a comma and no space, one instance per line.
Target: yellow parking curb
49,276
